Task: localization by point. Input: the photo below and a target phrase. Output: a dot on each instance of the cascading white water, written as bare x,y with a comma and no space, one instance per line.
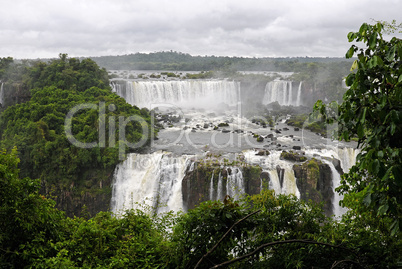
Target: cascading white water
219,193
346,155
149,180
1,94
282,92
235,183
184,93
347,158
298,100
269,164
159,184
274,182
336,181
211,187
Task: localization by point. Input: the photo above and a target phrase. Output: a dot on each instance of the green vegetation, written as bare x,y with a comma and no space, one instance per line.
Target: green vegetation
264,230
38,127
293,156
372,111
178,61
316,125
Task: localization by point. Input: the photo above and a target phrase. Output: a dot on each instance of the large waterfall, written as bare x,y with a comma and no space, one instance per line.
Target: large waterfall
183,93
282,178
282,92
155,180
234,185
149,182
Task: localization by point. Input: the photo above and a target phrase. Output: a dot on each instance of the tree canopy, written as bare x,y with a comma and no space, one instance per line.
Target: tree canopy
38,126
372,111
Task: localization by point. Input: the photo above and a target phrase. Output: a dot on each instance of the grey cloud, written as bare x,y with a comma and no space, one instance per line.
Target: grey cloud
44,28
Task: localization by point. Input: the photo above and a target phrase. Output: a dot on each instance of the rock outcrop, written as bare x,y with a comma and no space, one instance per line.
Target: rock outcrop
314,181
196,184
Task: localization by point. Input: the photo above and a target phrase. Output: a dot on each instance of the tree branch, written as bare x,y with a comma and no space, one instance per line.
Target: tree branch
336,263
276,243
223,237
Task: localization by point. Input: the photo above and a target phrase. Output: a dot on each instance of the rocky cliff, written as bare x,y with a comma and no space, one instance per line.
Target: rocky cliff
313,179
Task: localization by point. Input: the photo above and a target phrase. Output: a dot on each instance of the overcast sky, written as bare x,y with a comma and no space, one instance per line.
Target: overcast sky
250,28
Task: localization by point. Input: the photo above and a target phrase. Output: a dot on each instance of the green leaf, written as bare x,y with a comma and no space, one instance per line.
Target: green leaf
350,52
386,176
363,28
363,118
400,79
367,199
349,79
351,36
374,167
391,54
354,66
394,228
373,41
360,131
394,116
393,127
382,209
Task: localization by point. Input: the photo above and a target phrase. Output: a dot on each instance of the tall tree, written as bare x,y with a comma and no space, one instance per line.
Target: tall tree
372,111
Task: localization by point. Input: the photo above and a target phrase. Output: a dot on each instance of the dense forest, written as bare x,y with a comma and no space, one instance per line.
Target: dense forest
172,60
266,230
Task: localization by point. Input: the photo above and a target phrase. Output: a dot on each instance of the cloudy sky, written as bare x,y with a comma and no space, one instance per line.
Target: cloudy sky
250,28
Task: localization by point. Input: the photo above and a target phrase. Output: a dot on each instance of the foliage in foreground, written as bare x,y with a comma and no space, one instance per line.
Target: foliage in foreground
262,231
372,111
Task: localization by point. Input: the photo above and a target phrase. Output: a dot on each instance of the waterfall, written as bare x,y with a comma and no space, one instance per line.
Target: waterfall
211,187
347,157
298,101
234,186
336,182
235,183
274,183
184,93
284,181
289,99
280,91
219,193
149,181
1,94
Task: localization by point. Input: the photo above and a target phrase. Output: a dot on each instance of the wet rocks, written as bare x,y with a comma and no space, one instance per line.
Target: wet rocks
262,152
293,156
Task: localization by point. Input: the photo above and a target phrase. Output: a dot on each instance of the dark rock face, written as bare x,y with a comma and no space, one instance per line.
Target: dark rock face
314,181
196,184
85,200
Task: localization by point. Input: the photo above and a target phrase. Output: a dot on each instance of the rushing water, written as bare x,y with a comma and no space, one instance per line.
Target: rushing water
155,179
149,181
282,92
182,93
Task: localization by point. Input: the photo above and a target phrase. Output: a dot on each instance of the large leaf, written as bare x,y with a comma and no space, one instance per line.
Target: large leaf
350,52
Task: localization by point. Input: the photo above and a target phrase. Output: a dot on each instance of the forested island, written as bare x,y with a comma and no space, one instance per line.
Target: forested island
55,196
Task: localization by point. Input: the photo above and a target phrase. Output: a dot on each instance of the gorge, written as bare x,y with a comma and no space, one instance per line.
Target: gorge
208,147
